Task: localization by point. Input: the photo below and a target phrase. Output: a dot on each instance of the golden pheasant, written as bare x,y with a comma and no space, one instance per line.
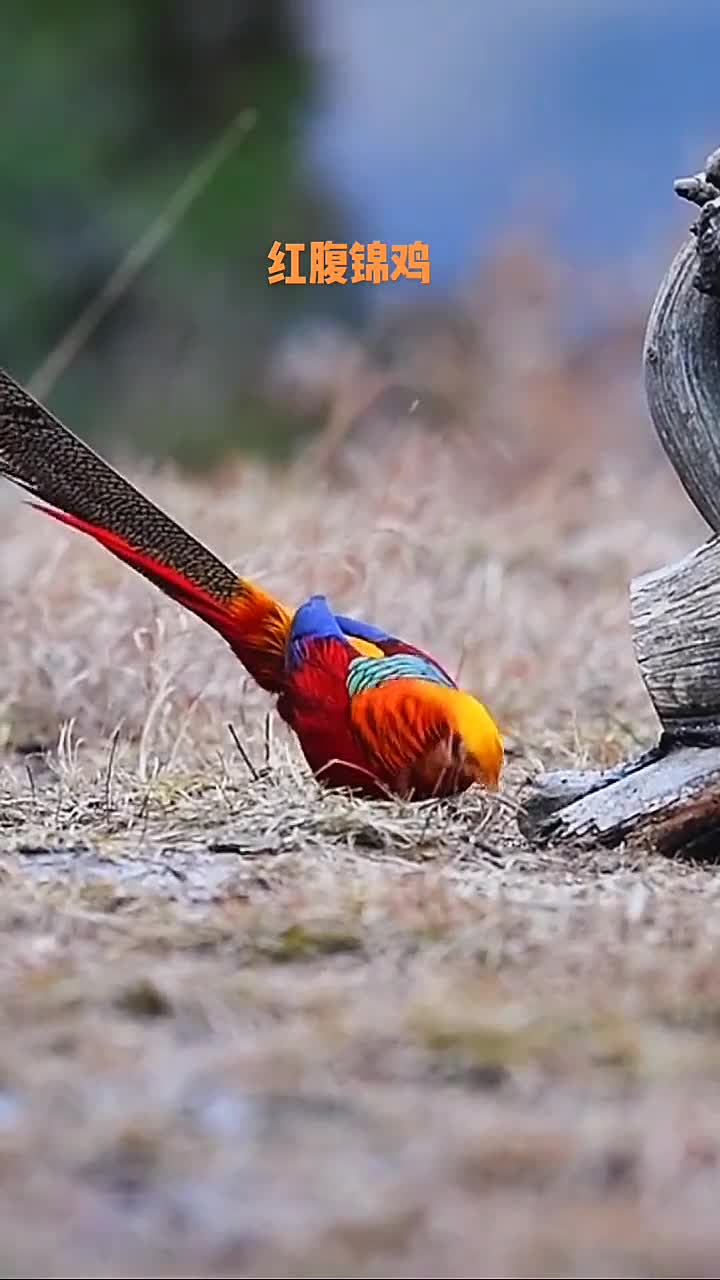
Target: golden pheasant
370,711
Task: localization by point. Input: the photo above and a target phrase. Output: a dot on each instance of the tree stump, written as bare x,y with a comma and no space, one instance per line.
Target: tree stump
668,797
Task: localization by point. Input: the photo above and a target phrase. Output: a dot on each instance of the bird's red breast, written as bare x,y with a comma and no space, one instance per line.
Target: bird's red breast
374,725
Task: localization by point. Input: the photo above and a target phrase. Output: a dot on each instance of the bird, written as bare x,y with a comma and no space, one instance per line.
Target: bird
394,724
372,713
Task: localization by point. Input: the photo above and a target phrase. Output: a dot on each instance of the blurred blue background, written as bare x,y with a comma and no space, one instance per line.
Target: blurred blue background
446,120
457,123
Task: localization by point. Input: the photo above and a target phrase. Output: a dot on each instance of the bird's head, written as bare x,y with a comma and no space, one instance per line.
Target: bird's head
479,742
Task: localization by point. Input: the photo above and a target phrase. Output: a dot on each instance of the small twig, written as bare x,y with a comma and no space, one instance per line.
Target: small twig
503,801
60,798
360,771
109,772
246,758
143,815
31,780
432,810
487,846
138,257
461,663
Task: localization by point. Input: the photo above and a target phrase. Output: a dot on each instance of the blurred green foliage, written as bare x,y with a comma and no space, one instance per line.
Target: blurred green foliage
105,108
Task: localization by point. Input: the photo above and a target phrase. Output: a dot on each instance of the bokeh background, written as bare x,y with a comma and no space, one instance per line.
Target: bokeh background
531,143
248,1029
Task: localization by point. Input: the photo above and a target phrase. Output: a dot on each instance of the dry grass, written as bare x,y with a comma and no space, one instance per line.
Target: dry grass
249,1028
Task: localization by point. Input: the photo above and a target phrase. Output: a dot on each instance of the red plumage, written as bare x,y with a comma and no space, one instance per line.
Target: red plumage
382,726
314,702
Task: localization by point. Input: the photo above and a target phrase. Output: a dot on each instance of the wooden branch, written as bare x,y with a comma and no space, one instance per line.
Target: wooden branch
556,790
671,804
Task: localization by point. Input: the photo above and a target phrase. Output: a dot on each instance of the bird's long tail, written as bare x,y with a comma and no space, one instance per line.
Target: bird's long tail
46,459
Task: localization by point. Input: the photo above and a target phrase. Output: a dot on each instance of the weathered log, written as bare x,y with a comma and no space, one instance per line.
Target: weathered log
672,803
681,355
561,788
675,622
670,796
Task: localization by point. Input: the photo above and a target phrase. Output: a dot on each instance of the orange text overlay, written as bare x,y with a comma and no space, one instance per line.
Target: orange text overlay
324,262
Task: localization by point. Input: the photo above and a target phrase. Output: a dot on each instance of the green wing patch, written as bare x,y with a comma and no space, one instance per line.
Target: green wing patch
373,673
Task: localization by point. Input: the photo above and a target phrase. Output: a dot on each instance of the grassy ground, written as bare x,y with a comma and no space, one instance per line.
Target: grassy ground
250,1029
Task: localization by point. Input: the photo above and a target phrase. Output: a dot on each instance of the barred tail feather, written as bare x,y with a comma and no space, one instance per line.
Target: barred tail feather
254,624
45,458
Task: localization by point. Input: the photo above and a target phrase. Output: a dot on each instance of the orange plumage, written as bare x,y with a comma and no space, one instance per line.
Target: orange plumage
370,711
393,724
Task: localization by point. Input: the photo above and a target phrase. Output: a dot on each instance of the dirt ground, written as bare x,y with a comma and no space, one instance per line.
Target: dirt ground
248,1028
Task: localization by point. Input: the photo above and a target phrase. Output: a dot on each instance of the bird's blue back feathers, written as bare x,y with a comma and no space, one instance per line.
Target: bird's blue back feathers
363,630
315,620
